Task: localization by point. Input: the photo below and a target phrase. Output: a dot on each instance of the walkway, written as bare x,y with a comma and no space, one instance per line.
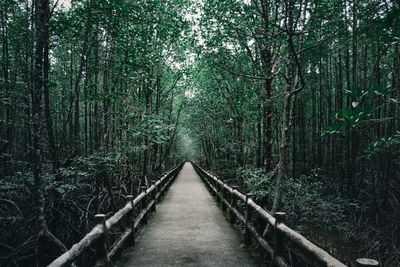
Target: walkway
188,229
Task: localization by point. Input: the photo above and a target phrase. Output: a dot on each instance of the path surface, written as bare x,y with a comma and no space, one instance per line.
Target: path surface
188,229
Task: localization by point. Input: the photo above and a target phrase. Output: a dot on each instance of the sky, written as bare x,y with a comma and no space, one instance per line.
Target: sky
65,3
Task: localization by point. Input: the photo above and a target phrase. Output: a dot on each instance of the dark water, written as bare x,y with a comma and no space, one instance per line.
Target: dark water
334,242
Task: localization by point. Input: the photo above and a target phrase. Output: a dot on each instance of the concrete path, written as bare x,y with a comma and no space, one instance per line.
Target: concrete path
188,229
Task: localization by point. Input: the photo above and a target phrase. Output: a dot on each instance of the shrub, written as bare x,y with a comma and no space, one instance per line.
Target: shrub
303,199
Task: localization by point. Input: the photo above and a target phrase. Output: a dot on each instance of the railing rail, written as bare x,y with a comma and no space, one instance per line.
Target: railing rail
96,238
228,196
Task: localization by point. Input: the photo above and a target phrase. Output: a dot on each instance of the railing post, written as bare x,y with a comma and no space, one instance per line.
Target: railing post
163,181
144,204
223,195
363,262
218,186
233,203
215,185
131,222
171,178
249,219
100,244
279,217
154,196
259,224
219,192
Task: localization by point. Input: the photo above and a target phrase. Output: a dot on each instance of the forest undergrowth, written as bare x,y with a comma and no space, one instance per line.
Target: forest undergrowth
97,184
348,226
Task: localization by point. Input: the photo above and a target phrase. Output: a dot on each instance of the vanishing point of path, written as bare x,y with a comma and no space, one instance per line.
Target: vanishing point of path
188,229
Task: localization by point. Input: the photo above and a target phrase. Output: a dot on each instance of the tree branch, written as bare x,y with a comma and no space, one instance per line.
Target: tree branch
239,74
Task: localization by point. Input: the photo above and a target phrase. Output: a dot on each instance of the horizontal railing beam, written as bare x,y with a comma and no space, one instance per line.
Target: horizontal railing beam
119,242
323,257
118,215
281,262
99,230
69,257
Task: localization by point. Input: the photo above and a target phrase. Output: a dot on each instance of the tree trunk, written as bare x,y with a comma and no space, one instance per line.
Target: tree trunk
282,164
291,90
46,89
268,127
6,66
396,76
82,64
259,139
40,7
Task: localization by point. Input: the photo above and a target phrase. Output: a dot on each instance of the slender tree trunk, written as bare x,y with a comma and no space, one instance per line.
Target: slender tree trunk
291,90
339,154
321,145
239,124
82,64
282,164
315,143
303,145
282,167
396,77
46,89
294,142
266,59
44,236
259,138
69,119
353,133
267,124
85,109
146,139
6,66
96,102
347,140
40,7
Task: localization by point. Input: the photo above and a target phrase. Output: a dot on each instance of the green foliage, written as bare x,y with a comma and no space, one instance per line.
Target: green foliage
259,183
13,184
305,199
348,118
382,145
361,108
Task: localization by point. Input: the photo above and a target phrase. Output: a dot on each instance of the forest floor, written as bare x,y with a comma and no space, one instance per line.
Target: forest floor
188,229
